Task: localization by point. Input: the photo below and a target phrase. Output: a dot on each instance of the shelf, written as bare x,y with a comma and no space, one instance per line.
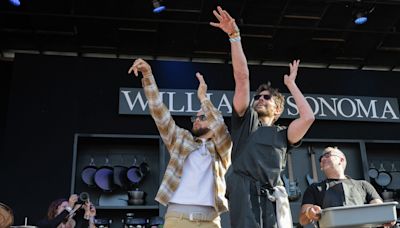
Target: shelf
141,207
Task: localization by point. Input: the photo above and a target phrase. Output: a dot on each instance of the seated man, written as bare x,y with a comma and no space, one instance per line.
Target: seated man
336,190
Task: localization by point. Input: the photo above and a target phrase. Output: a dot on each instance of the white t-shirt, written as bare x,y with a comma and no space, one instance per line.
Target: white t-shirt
197,181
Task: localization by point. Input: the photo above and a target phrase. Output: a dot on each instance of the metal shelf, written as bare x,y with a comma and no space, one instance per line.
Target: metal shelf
139,207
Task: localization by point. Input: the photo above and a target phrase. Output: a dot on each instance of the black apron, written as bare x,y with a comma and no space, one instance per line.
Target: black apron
253,174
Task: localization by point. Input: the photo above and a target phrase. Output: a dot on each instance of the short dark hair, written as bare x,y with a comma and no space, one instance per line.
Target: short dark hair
276,95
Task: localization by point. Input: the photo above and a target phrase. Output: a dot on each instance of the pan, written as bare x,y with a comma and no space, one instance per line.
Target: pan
395,183
120,178
88,172
134,174
373,172
384,178
104,177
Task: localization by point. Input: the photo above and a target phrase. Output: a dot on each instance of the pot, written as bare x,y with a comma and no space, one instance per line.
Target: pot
136,194
88,172
136,201
104,177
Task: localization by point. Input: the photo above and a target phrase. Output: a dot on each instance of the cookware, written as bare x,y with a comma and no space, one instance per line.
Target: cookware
372,172
88,172
133,201
104,177
144,167
136,194
387,195
120,176
384,178
134,174
395,174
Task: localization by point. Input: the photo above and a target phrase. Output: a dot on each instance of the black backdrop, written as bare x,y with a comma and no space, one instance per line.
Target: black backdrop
51,98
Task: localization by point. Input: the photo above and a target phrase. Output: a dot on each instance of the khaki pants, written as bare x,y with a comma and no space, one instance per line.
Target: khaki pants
181,222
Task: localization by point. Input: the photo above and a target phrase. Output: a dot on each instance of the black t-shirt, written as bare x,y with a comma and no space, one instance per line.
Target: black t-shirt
330,193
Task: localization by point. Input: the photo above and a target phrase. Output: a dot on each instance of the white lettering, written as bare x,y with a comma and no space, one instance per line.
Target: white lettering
224,102
171,103
388,108
353,107
371,107
189,97
293,105
324,103
137,98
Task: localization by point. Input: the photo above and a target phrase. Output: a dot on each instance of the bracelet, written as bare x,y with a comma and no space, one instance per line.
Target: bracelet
234,34
235,39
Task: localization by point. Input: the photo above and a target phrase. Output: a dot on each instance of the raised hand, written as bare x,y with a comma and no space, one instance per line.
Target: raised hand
72,200
202,90
293,72
139,65
226,22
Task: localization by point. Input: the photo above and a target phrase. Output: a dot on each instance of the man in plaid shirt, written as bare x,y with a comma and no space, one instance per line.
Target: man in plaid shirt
193,186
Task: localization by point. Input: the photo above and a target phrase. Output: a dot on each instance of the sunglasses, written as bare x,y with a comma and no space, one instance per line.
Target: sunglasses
265,97
200,117
327,155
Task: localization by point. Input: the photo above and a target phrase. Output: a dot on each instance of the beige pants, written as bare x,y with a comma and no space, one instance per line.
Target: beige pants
180,222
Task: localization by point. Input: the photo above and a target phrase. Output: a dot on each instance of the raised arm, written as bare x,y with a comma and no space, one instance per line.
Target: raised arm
299,127
160,113
241,98
221,136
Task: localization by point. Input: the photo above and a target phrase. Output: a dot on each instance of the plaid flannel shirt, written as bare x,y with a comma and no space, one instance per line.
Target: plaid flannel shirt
180,143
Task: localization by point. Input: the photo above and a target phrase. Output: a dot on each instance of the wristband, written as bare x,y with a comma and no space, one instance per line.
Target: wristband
68,208
236,39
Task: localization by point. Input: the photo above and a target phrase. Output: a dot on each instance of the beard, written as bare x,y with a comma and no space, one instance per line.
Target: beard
200,131
263,111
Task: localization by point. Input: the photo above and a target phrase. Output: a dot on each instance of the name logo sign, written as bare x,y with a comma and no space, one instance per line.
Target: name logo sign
132,101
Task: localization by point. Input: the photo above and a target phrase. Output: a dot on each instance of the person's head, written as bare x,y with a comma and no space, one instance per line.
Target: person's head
56,207
333,159
268,102
200,124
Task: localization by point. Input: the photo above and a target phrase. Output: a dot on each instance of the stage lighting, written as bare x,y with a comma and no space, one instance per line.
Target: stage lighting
360,18
157,6
15,2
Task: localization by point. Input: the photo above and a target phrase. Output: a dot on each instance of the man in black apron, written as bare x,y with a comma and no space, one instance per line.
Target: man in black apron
254,187
337,190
